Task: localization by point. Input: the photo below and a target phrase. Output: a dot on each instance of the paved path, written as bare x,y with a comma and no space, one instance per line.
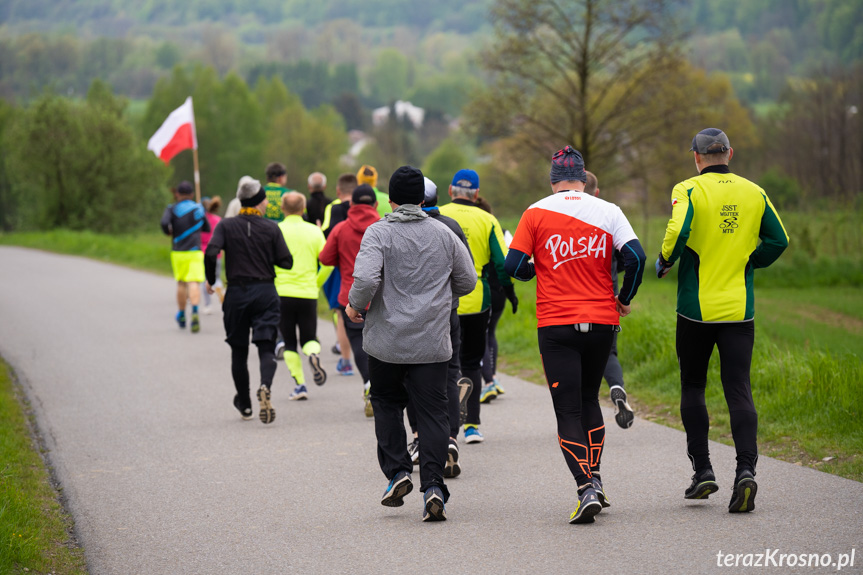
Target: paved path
162,476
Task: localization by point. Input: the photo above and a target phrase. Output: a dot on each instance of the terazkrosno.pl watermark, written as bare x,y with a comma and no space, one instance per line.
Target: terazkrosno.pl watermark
776,558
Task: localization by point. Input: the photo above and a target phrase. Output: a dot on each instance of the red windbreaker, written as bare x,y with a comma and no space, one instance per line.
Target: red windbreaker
343,244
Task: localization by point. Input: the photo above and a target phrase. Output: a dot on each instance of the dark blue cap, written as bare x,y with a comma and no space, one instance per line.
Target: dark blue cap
466,176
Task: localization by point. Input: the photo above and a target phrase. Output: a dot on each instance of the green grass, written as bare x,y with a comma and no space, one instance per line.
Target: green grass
34,528
806,369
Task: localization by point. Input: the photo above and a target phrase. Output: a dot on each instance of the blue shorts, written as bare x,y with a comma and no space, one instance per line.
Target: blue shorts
332,287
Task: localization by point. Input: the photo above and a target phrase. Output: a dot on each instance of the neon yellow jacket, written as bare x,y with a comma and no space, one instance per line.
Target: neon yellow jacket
722,228
485,240
305,241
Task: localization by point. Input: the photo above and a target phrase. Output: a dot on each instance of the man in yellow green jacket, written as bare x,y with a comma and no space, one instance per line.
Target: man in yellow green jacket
485,240
298,292
722,228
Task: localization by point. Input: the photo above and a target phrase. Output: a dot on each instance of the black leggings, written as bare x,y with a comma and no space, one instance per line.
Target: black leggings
355,336
573,364
489,360
298,313
695,343
240,368
474,328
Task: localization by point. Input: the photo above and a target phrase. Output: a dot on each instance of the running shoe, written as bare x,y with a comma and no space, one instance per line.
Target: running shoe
300,392
434,509
367,399
743,493
245,412
452,467
181,319
600,492
703,484
336,349
208,310
399,486
465,387
267,414
472,434
498,387
488,393
196,325
280,349
344,367
588,506
622,412
414,451
318,373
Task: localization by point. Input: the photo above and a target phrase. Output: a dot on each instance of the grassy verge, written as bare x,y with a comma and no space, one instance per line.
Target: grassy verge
34,528
806,369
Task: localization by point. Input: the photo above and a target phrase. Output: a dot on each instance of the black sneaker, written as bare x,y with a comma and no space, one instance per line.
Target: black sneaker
703,484
400,486
588,506
434,509
318,373
267,414
452,468
465,387
622,412
245,412
414,451
743,493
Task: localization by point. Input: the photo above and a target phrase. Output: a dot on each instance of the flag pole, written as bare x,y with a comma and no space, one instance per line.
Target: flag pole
197,175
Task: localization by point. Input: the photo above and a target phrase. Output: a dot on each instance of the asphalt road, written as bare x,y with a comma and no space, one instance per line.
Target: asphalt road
162,476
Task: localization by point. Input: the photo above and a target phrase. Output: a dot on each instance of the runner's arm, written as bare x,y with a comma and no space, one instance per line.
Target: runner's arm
679,226
463,270
367,270
774,238
166,221
282,254
217,241
634,260
519,266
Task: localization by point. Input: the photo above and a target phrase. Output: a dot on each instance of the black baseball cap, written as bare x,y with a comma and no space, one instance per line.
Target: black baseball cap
710,141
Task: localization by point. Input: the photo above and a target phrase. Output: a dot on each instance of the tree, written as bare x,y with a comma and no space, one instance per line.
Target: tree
570,72
91,174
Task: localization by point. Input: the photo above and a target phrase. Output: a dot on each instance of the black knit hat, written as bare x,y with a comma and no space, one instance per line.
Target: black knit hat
407,186
567,164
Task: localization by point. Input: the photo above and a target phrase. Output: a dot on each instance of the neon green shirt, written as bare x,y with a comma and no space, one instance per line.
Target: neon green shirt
305,241
485,240
722,228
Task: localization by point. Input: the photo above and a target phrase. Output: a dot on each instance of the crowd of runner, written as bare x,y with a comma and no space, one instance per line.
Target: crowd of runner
416,291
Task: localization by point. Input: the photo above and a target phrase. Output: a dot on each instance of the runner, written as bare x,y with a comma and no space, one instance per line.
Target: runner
458,388
318,200
407,272
212,207
253,245
613,374
184,221
369,175
341,251
336,212
485,239
298,293
277,178
571,236
722,228
492,387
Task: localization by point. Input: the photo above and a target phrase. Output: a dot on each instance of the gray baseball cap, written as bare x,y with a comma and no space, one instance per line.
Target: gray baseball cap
710,141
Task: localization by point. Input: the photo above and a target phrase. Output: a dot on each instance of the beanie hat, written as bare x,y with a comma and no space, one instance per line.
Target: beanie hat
185,189
430,193
251,193
407,186
367,175
567,164
363,194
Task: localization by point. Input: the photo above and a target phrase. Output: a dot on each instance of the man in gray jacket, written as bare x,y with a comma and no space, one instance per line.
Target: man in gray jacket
408,269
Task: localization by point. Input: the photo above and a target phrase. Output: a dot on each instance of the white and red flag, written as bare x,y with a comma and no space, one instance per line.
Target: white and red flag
176,134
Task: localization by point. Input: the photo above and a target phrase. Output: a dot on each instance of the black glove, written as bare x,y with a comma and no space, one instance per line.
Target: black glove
510,295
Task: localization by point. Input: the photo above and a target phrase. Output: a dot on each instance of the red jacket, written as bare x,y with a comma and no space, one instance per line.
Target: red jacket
343,244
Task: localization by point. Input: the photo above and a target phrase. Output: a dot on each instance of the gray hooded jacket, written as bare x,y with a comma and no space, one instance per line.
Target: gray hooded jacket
409,268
